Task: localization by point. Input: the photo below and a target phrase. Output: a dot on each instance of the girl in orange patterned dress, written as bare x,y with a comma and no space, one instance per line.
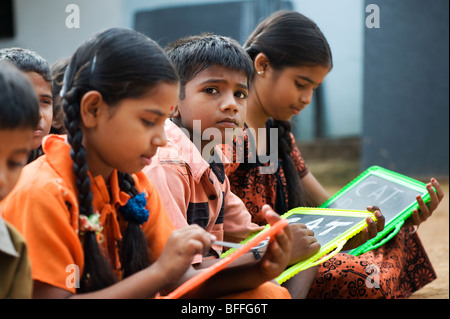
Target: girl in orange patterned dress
287,73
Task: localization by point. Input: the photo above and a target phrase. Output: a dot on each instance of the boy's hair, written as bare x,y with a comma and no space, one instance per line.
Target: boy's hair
118,63
193,54
19,106
27,61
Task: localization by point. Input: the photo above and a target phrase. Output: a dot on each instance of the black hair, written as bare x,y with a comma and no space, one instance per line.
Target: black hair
58,68
27,61
193,54
118,63
19,106
289,39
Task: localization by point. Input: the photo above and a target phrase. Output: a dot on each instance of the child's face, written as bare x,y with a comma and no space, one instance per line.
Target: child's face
285,93
44,92
14,148
217,97
127,135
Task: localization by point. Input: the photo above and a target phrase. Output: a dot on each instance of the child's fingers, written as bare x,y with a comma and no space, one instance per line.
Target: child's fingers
380,220
435,198
416,217
196,239
364,235
271,216
275,254
284,240
437,186
380,217
371,228
424,211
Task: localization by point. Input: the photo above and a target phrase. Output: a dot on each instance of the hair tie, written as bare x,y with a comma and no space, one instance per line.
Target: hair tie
135,209
91,223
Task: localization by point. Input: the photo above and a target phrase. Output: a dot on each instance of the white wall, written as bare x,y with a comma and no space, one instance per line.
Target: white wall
41,25
342,22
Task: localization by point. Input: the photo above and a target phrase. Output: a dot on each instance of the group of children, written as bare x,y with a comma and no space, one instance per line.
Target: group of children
138,184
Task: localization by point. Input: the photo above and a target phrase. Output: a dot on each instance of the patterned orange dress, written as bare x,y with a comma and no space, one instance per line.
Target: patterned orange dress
395,270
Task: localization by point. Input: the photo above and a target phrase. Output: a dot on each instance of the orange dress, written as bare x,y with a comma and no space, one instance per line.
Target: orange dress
43,207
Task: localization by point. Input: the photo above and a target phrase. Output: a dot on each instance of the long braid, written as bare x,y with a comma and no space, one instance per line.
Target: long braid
97,272
293,183
134,252
119,64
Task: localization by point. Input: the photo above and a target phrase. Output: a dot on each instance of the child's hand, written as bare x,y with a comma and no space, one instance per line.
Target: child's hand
304,243
368,232
181,247
425,212
278,253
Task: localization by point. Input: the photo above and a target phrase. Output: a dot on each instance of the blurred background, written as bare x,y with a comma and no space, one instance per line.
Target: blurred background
386,101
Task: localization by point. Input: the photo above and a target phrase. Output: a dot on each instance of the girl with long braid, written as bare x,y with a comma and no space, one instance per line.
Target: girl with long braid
95,224
291,58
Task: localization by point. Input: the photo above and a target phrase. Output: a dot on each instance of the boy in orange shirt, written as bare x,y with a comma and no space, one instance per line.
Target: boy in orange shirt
189,171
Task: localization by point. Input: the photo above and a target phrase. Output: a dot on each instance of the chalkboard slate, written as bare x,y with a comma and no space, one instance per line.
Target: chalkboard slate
326,227
393,193
332,228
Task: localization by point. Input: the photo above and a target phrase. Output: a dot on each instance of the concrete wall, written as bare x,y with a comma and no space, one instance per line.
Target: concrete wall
406,88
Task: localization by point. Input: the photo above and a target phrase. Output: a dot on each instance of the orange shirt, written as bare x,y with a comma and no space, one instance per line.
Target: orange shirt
43,207
196,192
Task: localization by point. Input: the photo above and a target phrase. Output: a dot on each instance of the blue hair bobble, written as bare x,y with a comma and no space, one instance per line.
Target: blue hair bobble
135,209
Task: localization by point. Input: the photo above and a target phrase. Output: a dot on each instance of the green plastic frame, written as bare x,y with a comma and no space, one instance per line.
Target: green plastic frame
393,226
331,248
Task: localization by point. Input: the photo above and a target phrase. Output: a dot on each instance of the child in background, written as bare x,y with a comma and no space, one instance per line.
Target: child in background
38,70
19,116
291,58
85,208
58,68
189,171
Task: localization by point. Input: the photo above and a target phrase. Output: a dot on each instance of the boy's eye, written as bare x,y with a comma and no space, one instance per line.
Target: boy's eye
46,102
241,95
211,90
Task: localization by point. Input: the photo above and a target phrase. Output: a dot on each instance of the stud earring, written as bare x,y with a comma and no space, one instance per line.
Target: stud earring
260,72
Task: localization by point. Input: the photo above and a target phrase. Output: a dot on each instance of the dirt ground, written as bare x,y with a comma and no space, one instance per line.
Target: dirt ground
434,233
